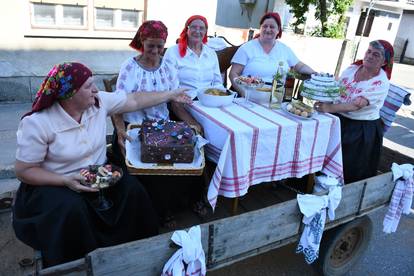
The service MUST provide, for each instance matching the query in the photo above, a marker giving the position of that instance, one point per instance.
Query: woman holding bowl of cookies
(63, 133)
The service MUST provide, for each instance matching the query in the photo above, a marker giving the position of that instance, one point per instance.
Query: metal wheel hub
(346, 246)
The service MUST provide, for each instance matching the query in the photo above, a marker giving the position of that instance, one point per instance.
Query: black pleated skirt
(65, 226)
(361, 148)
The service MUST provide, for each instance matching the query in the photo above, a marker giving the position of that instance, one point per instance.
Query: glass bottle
(289, 85)
(278, 88)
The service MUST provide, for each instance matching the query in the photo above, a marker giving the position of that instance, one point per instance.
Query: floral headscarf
(61, 83)
(388, 55)
(148, 29)
(276, 17)
(182, 41)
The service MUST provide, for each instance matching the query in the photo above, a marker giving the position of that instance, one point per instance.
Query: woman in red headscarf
(366, 83)
(196, 63)
(62, 134)
(146, 72)
(261, 56)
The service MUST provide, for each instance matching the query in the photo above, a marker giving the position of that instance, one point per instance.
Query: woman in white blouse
(197, 64)
(366, 83)
(147, 72)
(260, 57)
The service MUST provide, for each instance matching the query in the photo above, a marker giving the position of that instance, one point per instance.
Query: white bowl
(213, 100)
(257, 96)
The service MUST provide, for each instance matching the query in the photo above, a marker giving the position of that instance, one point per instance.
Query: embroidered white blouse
(60, 144)
(258, 63)
(135, 78)
(195, 71)
(375, 90)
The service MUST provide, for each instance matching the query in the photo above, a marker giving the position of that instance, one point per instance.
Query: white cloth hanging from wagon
(402, 196)
(314, 208)
(191, 253)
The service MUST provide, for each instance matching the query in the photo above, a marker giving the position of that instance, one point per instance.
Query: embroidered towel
(313, 208)
(191, 253)
(395, 98)
(402, 196)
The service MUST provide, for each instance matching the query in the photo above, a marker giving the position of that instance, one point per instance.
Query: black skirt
(65, 226)
(361, 148)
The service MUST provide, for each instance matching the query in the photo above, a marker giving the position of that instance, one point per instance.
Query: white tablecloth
(255, 145)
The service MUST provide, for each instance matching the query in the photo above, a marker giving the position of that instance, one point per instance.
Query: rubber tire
(324, 264)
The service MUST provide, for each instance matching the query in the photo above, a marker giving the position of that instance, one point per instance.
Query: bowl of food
(215, 97)
(101, 176)
(260, 95)
(298, 109)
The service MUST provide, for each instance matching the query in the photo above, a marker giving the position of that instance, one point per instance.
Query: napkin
(191, 254)
(402, 196)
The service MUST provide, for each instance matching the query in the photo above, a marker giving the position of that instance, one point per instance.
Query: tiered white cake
(321, 87)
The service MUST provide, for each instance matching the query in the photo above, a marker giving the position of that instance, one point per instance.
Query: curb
(7, 172)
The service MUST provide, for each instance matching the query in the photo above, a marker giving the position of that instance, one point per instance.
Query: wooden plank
(240, 234)
(77, 267)
(351, 197)
(143, 257)
(378, 191)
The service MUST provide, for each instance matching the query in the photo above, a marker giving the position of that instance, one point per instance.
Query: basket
(165, 169)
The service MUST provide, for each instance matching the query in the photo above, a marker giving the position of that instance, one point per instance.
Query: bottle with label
(289, 85)
(278, 89)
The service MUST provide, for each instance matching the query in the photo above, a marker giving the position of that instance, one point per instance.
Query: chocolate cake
(166, 142)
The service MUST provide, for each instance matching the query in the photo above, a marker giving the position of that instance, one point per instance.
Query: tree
(330, 13)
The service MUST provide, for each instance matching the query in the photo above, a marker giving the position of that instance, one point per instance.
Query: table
(251, 145)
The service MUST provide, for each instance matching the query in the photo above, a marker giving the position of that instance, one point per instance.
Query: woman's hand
(322, 107)
(73, 183)
(122, 137)
(179, 96)
(198, 128)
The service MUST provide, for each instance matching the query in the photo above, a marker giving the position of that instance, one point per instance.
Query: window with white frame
(57, 15)
(104, 18)
(117, 19)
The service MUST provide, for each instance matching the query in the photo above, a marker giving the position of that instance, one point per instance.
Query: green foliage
(330, 13)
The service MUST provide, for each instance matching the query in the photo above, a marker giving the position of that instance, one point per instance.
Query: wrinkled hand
(73, 183)
(322, 107)
(199, 128)
(179, 96)
(360, 102)
(122, 137)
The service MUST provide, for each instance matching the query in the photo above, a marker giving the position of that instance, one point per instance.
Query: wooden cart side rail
(232, 239)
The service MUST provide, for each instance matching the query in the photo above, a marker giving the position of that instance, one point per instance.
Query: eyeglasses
(197, 28)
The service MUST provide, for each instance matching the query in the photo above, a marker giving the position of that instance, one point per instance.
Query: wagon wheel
(342, 246)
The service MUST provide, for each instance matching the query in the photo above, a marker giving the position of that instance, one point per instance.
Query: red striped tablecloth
(252, 145)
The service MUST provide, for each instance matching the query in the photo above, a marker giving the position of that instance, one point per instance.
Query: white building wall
(406, 32)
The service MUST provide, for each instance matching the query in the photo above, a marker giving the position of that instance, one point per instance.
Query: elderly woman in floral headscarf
(196, 63)
(366, 83)
(63, 133)
(148, 71)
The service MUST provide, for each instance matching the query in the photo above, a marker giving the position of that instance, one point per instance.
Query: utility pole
(371, 4)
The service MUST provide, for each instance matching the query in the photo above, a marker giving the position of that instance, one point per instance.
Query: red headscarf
(388, 55)
(148, 29)
(182, 41)
(61, 83)
(276, 17)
